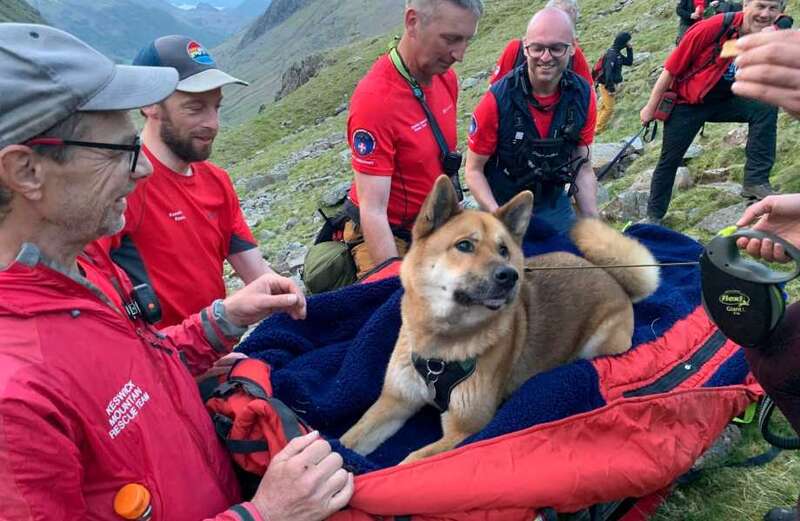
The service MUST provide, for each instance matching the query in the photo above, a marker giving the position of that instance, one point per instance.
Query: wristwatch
(228, 328)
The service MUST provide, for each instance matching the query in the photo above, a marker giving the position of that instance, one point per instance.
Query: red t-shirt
(508, 60)
(695, 49)
(483, 128)
(389, 135)
(178, 231)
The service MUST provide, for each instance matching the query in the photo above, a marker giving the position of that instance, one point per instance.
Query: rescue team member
(513, 55)
(185, 220)
(533, 128)
(769, 71)
(611, 76)
(776, 365)
(702, 81)
(395, 156)
(689, 12)
(91, 397)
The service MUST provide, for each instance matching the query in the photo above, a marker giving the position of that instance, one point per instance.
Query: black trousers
(684, 124)
(777, 366)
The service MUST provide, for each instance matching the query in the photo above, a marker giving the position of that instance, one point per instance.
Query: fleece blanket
(329, 368)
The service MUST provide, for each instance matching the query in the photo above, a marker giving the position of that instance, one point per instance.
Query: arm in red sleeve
(202, 338)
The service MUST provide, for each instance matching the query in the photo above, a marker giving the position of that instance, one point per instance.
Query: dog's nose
(505, 276)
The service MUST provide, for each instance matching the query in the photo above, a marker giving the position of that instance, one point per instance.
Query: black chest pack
(537, 161)
(744, 297)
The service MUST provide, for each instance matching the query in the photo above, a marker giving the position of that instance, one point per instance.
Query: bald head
(550, 25)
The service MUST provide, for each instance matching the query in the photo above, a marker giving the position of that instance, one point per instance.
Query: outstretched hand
(777, 214)
(268, 294)
(304, 482)
(769, 69)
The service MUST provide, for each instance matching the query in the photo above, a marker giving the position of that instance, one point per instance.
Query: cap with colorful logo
(196, 67)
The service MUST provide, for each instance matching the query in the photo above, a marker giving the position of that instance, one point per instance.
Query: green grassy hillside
(318, 27)
(19, 11)
(302, 135)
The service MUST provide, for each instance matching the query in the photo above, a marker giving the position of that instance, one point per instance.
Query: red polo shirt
(483, 129)
(178, 232)
(508, 59)
(389, 135)
(697, 48)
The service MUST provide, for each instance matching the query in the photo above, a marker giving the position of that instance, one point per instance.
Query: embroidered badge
(363, 143)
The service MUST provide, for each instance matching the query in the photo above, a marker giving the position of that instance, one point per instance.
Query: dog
(476, 325)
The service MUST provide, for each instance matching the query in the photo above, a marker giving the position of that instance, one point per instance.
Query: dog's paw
(349, 440)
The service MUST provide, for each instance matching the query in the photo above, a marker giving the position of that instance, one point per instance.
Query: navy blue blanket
(329, 368)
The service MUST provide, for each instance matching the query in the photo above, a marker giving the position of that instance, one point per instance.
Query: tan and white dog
(473, 317)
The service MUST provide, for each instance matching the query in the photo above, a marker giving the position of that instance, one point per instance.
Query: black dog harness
(442, 377)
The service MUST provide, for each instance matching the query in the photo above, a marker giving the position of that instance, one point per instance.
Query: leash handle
(650, 134)
(724, 254)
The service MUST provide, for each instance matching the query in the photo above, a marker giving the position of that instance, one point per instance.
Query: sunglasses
(133, 148)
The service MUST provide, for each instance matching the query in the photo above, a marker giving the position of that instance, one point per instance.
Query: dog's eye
(503, 251)
(465, 246)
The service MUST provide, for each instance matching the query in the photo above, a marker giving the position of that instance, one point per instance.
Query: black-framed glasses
(133, 148)
(557, 50)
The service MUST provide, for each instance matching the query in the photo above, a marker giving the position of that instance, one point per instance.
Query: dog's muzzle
(493, 293)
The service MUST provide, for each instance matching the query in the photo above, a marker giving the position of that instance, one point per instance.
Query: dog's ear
(440, 205)
(516, 214)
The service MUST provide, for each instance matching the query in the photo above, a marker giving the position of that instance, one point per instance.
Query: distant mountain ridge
(119, 28)
(19, 11)
(278, 11)
(290, 31)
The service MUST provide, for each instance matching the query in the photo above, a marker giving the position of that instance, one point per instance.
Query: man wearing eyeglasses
(185, 220)
(532, 130)
(514, 53)
(701, 79)
(92, 397)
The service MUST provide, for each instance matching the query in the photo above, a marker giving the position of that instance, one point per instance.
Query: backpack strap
(520, 54)
(727, 21)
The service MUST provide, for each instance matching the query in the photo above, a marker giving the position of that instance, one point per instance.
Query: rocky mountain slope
(19, 11)
(290, 31)
(292, 157)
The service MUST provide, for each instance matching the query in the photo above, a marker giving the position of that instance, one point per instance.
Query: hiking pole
(664, 264)
(647, 138)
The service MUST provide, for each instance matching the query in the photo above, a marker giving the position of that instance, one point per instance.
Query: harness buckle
(435, 368)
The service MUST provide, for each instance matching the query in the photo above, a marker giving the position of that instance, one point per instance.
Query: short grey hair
(568, 6)
(69, 128)
(428, 6)
(782, 3)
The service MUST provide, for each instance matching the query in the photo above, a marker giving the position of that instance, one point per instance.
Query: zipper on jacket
(683, 370)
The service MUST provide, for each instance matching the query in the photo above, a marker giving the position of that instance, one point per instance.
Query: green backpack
(328, 265)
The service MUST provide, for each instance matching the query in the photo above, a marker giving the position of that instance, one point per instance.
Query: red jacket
(696, 49)
(91, 400)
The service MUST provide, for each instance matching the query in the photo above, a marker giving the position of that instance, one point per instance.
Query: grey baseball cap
(46, 75)
(197, 70)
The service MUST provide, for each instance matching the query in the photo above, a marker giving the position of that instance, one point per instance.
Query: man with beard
(185, 221)
(533, 128)
(702, 79)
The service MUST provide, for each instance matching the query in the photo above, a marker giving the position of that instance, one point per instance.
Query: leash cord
(667, 264)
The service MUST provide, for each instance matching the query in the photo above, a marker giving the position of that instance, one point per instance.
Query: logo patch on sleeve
(363, 143)
(473, 125)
